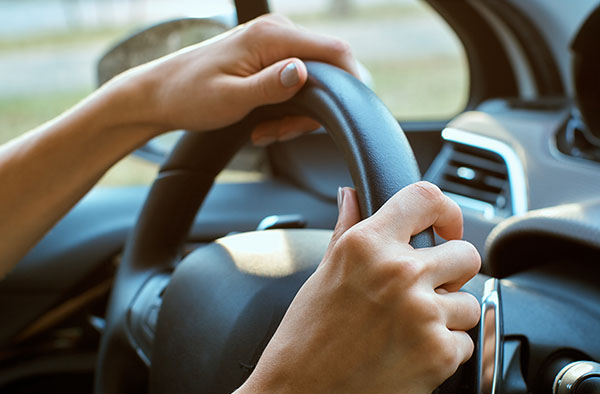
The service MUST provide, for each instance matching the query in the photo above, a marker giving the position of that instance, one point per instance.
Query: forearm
(46, 171)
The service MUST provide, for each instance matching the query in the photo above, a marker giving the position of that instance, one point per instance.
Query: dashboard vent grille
(476, 174)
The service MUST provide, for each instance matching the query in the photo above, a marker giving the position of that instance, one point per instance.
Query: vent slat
(459, 158)
(468, 191)
(477, 184)
(480, 176)
(470, 150)
(476, 173)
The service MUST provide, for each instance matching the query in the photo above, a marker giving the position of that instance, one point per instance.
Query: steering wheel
(225, 300)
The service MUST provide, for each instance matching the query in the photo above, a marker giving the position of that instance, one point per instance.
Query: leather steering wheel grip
(374, 146)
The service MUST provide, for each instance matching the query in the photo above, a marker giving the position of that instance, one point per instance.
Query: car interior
(177, 286)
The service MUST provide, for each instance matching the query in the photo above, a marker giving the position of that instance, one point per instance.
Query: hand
(218, 82)
(206, 86)
(378, 316)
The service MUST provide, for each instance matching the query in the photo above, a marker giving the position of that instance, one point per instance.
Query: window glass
(48, 55)
(417, 63)
(49, 50)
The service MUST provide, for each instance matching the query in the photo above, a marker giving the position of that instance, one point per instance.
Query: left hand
(217, 82)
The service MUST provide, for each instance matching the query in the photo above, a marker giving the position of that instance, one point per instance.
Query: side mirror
(154, 42)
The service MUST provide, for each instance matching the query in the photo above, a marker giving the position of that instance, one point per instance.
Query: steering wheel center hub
(223, 304)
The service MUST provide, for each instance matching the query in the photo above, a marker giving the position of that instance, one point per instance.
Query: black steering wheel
(225, 300)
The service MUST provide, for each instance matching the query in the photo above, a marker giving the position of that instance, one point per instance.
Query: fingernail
(340, 198)
(264, 141)
(290, 135)
(289, 75)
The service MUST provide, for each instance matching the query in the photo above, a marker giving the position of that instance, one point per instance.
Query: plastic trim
(516, 54)
(516, 173)
(490, 309)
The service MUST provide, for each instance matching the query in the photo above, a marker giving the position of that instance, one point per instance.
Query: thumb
(349, 213)
(277, 82)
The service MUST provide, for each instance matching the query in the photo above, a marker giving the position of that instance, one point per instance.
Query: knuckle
(474, 260)
(356, 242)
(447, 352)
(449, 357)
(473, 310)
(471, 258)
(277, 18)
(425, 310)
(471, 348)
(446, 356)
(342, 48)
(471, 249)
(428, 191)
(260, 28)
(392, 279)
(407, 270)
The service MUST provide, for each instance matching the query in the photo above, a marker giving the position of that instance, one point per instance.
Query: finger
(462, 310)
(275, 83)
(293, 126)
(274, 41)
(451, 264)
(265, 132)
(464, 346)
(349, 213)
(416, 208)
(283, 129)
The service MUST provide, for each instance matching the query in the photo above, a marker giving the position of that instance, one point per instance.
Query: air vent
(477, 176)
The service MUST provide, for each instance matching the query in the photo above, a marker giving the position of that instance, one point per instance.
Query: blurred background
(49, 50)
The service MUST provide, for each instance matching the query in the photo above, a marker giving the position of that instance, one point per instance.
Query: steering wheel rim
(378, 154)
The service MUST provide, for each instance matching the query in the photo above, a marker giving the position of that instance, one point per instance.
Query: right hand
(378, 316)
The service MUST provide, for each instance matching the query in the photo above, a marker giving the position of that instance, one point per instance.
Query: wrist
(129, 102)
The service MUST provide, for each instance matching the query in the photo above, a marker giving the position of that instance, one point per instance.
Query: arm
(207, 86)
(376, 317)
(46, 171)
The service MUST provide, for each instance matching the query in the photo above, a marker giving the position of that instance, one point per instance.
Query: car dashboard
(530, 199)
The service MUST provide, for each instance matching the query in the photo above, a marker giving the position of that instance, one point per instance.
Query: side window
(49, 50)
(418, 65)
(48, 55)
